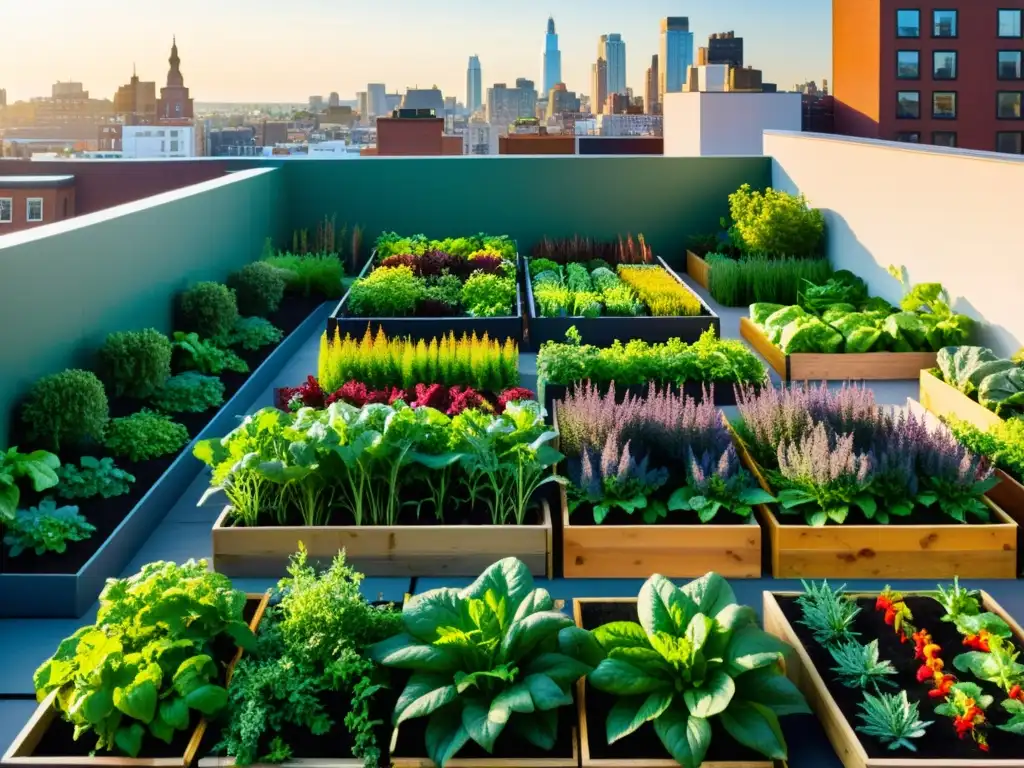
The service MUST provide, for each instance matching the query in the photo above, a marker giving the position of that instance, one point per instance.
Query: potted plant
(492, 673)
(683, 662)
(864, 491)
(655, 485)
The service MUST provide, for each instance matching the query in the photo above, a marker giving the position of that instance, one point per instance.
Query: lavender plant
(954, 479)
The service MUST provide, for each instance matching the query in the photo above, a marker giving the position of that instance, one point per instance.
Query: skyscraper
(474, 85)
(676, 56)
(377, 100)
(598, 86)
(615, 55)
(552, 59)
(651, 88)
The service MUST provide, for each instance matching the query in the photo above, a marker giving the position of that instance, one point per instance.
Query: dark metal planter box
(427, 328)
(603, 331)
(724, 392)
(70, 595)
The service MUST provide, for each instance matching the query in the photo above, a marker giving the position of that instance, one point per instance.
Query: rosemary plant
(892, 719)
(858, 666)
(828, 613)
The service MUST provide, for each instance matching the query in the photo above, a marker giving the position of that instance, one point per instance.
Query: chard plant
(490, 657)
(695, 655)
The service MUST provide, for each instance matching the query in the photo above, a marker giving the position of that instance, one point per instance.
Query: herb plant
(135, 363)
(209, 309)
(66, 409)
(204, 356)
(38, 468)
(858, 666)
(46, 528)
(93, 477)
(259, 288)
(386, 292)
(148, 663)
(622, 250)
(189, 392)
(774, 222)
(695, 655)
(828, 613)
(493, 655)
(892, 719)
(1002, 444)
(739, 283)
(486, 295)
(250, 334)
(664, 295)
(145, 435)
(310, 274)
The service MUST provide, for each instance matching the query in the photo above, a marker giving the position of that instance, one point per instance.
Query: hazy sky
(269, 50)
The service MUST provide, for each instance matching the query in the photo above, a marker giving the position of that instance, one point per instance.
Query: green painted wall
(666, 198)
(64, 288)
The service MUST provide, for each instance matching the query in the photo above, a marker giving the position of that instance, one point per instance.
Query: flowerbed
(709, 365)
(662, 463)
(837, 458)
(922, 677)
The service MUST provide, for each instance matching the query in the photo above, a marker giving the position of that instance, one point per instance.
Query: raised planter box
(604, 331)
(29, 748)
(396, 550)
(426, 328)
(840, 731)
(977, 551)
(803, 366)
(642, 746)
(56, 595)
(699, 270)
(724, 392)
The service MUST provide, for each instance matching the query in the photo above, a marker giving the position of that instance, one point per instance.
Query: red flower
(385, 396)
(978, 642)
(464, 399)
(351, 392)
(983, 746)
(1017, 693)
(942, 687)
(924, 673)
(434, 396)
(890, 616)
(883, 603)
(308, 394)
(512, 395)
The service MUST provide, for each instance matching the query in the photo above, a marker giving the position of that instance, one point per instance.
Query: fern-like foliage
(892, 719)
(858, 666)
(828, 613)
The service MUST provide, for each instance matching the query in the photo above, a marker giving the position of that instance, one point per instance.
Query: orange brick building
(945, 72)
(403, 136)
(31, 201)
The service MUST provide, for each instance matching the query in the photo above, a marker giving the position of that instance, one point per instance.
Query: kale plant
(46, 528)
(250, 333)
(189, 392)
(93, 477)
(204, 356)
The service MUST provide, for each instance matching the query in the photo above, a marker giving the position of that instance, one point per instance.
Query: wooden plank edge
(944, 401)
(753, 335)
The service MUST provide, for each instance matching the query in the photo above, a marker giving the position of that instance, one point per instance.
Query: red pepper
(1017, 693)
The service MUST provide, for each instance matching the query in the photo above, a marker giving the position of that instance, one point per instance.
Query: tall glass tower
(552, 59)
(474, 85)
(615, 55)
(676, 55)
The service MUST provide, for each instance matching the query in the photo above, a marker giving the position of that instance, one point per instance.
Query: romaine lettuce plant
(695, 655)
(492, 655)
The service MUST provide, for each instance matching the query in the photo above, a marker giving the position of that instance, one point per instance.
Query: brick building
(31, 201)
(946, 72)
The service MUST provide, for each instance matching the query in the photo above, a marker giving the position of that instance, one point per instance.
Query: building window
(174, 145)
(944, 138)
(1009, 23)
(908, 23)
(163, 146)
(174, 134)
(6, 210)
(1008, 105)
(944, 24)
(1009, 65)
(909, 137)
(944, 65)
(908, 65)
(1010, 141)
(944, 105)
(34, 209)
(908, 105)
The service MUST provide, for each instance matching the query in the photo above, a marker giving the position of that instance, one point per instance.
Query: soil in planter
(107, 514)
(642, 744)
(58, 741)
(940, 740)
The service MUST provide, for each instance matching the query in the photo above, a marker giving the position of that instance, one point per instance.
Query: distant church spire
(174, 77)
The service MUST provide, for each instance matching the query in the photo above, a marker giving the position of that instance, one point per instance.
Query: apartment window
(944, 105)
(908, 105)
(1008, 105)
(944, 24)
(1009, 23)
(1009, 65)
(6, 210)
(163, 146)
(908, 65)
(908, 23)
(174, 145)
(174, 134)
(944, 65)
(909, 137)
(1010, 141)
(34, 209)
(944, 138)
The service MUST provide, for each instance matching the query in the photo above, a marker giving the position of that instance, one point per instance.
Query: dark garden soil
(107, 514)
(642, 744)
(58, 741)
(940, 739)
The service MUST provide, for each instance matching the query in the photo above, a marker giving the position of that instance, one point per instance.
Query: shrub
(754, 280)
(135, 363)
(542, 265)
(145, 435)
(189, 392)
(664, 295)
(386, 292)
(310, 274)
(66, 409)
(250, 333)
(93, 477)
(46, 528)
(775, 223)
(443, 298)
(259, 288)
(209, 309)
(485, 295)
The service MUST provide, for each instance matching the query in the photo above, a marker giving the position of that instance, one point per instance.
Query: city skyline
(256, 63)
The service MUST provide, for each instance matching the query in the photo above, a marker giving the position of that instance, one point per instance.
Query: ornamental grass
(664, 295)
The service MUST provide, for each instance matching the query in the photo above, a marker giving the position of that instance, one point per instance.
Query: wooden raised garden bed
(839, 724)
(976, 550)
(399, 550)
(603, 331)
(641, 749)
(427, 328)
(699, 270)
(46, 740)
(803, 366)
